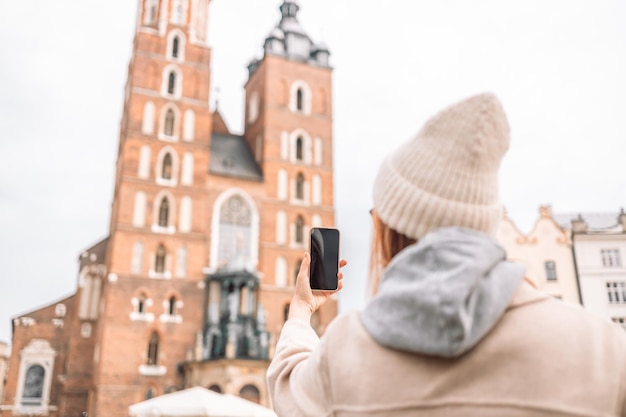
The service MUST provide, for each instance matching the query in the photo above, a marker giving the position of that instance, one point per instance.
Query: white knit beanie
(448, 174)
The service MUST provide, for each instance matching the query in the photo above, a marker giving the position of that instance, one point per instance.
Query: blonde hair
(386, 243)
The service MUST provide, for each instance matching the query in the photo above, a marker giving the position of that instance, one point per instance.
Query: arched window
(166, 167)
(235, 232)
(299, 100)
(299, 149)
(216, 388)
(141, 304)
(150, 14)
(175, 46)
(159, 260)
(168, 127)
(299, 231)
(171, 306)
(250, 393)
(171, 83)
(153, 350)
(164, 212)
(33, 385)
(149, 393)
(300, 187)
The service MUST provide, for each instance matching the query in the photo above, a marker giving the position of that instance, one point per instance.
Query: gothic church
(207, 231)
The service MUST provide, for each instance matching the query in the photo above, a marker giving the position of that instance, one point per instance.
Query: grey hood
(442, 295)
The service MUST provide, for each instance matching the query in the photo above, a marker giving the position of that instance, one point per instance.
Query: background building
(599, 244)
(192, 284)
(546, 252)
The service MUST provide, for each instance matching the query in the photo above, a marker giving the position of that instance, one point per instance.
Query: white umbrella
(198, 402)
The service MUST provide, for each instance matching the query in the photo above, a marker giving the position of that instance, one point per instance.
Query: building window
(141, 304)
(33, 386)
(300, 187)
(159, 260)
(166, 168)
(616, 291)
(299, 100)
(175, 46)
(299, 149)
(149, 393)
(611, 257)
(250, 393)
(235, 232)
(171, 83)
(150, 15)
(299, 230)
(164, 210)
(550, 270)
(168, 127)
(171, 306)
(153, 350)
(215, 388)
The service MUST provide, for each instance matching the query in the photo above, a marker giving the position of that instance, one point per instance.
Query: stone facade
(193, 204)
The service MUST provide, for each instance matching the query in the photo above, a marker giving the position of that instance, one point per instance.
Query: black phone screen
(324, 259)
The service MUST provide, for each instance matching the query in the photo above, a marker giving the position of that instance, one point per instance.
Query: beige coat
(543, 358)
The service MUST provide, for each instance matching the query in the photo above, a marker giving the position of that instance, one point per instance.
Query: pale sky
(558, 67)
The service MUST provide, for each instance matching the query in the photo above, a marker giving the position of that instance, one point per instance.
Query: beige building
(547, 253)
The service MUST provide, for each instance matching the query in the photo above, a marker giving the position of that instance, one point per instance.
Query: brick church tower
(207, 231)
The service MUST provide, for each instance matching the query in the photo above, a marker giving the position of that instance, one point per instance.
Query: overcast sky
(558, 66)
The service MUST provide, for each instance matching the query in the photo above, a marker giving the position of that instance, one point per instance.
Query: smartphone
(324, 250)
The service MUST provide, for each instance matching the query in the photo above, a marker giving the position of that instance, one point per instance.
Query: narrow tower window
(153, 349)
(299, 100)
(299, 230)
(300, 187)
(175, 46)
(168, 128)
(166, 169)
(171, 83)
(159, 260)
(164, 212)
(141, 304)
(299, 149)
(172, 306)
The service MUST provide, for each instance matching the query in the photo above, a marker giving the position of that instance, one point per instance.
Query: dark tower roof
(289, 39)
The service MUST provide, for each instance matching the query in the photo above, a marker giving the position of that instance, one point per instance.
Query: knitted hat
(448, 174)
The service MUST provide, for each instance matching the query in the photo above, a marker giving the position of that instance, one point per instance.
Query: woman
(454, 329)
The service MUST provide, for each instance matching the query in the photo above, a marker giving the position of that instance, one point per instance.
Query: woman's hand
(305, 302)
